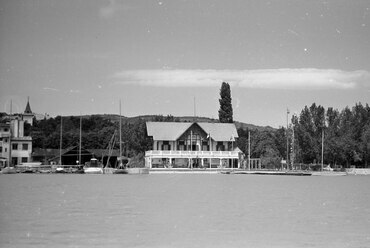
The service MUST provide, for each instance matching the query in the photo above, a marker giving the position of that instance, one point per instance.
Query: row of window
(182, 146)
(15, 146)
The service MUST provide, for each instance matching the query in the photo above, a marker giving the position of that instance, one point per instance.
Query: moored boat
(9, 170)
(60, 169)
(93, 167)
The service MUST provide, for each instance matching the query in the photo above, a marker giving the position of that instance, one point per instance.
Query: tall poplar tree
(225, 114)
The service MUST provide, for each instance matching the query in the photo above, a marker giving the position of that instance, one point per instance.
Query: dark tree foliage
(96, 133)
(346, 135)
(225, 113)
(346, 138)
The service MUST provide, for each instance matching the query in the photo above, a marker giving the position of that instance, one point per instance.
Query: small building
(15, 148)
(186, 145)
(4, 144)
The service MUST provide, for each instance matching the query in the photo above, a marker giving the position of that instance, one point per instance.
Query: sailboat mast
(61, 141)
(79, 152)
(120, 134)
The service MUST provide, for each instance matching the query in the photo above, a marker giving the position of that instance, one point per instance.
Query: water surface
(177, 210)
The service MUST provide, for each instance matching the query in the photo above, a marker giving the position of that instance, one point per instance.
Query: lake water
(182, 210)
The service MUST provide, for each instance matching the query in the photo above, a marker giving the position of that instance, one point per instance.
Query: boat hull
(93, 170)
(8, 170)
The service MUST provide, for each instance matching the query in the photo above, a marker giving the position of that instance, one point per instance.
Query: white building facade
(185, 145)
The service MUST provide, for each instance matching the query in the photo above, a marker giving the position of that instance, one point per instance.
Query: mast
(79, 152)
(61, 141)
(249, 150)
(293, 151)
(120, 134)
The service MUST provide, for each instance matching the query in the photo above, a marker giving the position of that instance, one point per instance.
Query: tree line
(343, 135)
(96, 132)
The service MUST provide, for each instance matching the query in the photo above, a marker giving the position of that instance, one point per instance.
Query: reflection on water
(176, 210)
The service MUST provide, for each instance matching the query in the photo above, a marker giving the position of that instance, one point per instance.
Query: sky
(170, 57)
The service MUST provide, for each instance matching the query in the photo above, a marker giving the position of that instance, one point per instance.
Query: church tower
(28, 116)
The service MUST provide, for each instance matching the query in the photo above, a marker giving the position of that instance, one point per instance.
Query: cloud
(295, 79)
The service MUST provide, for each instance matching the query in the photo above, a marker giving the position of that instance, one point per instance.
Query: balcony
(192, 154)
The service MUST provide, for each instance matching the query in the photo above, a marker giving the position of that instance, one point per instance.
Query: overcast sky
(73, 57)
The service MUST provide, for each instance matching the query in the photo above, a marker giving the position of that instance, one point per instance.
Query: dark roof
(173, 130)
(28, 108)
(72, 151)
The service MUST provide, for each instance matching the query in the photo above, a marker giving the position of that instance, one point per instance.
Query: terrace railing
(193, 154)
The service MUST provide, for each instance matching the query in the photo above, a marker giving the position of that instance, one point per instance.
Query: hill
(131, 120)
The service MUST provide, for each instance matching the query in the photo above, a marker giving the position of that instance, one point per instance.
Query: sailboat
(120, 168)
(94, 166)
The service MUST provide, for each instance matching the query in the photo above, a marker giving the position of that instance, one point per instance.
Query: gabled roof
(173, 130)
(167, 130)
(220, 131)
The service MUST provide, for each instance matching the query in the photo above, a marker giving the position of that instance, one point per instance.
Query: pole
(120, 134)
(287, 139)
(195, 110)
(322, 150)
(293, 153)
(79, 151)
(61, 141)
(10, 162)
(191, 140)
(249, 150)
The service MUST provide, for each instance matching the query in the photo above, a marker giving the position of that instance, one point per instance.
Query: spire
(28, 107)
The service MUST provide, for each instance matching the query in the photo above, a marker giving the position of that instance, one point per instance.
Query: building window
(15, 146)
(181, 146)
(1, 149)
(24, 159)
(220, 146)
(166, 146)
(205, 146)
(24, 147)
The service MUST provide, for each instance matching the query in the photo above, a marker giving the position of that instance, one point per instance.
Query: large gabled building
(186, 145)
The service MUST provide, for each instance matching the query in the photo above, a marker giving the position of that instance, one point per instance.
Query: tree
(225, 114)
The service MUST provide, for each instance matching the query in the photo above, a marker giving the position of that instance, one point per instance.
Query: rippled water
(177, 210)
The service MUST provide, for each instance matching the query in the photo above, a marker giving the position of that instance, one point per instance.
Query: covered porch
(192, 160)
